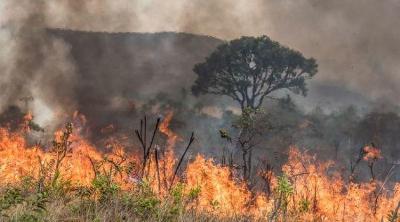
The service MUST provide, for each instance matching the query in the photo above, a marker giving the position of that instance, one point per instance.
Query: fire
(306, 190)
(19, 160)
(28, 117)
(162, 161)
(329, 197)
(27, 120)
(371, 153)
(311, 191)
(164, 128)
(16, 159)
(219, 192)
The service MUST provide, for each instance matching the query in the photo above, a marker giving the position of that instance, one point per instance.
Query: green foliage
(304, 205)
(144, 201)
(177, 199)
(27, 218)
(250, 119)
(214, 204)
(61, 146)
(83, 192)
(105, 187)
(284, 187)
(59, 188)
(250, 68)
(284, 190)
(392, 216)
(252, 123)
(146, 206)
(38, 202)
(27, 182)
(177, 192)
(194, 193)
(225, 135)
(10, 198)
(33, 204)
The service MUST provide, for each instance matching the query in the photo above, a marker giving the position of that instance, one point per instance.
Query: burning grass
(74, 181)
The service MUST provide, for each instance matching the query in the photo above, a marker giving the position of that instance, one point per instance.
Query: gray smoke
(354, 42)
(32, 63)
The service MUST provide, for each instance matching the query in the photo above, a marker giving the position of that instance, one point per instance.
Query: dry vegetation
(73, 181)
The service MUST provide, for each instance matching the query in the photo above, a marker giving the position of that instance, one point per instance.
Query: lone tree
(250, 68)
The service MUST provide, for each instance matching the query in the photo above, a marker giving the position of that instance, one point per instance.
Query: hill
(112, 68)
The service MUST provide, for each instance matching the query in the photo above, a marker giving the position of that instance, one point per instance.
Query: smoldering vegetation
(118, 72)
(120, 77)
(33, 63)
(110, 75)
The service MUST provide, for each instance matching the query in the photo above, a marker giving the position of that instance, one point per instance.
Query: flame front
(307, 190)
(164, 128)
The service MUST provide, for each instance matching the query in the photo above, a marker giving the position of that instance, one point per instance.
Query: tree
(251, 124)
(382, 129)
(250, 68)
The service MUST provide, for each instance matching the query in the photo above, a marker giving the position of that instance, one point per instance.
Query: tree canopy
(250, 68)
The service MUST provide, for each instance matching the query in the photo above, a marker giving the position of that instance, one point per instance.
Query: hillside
(119, 60)
(111, 67)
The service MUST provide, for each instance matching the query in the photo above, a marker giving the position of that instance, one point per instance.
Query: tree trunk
(249, 164)
(244, 156)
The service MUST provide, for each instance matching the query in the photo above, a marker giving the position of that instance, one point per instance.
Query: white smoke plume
(33, 64)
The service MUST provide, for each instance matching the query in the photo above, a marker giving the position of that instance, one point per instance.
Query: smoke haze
(354, 42)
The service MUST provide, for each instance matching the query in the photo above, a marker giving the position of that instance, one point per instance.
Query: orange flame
(371, 153)
(310, 190)
(27, 120)
(219, 193)
(164, 128)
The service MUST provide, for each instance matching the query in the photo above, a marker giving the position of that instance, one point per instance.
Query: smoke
(33, 64)
(104, 75)
(354, 42)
